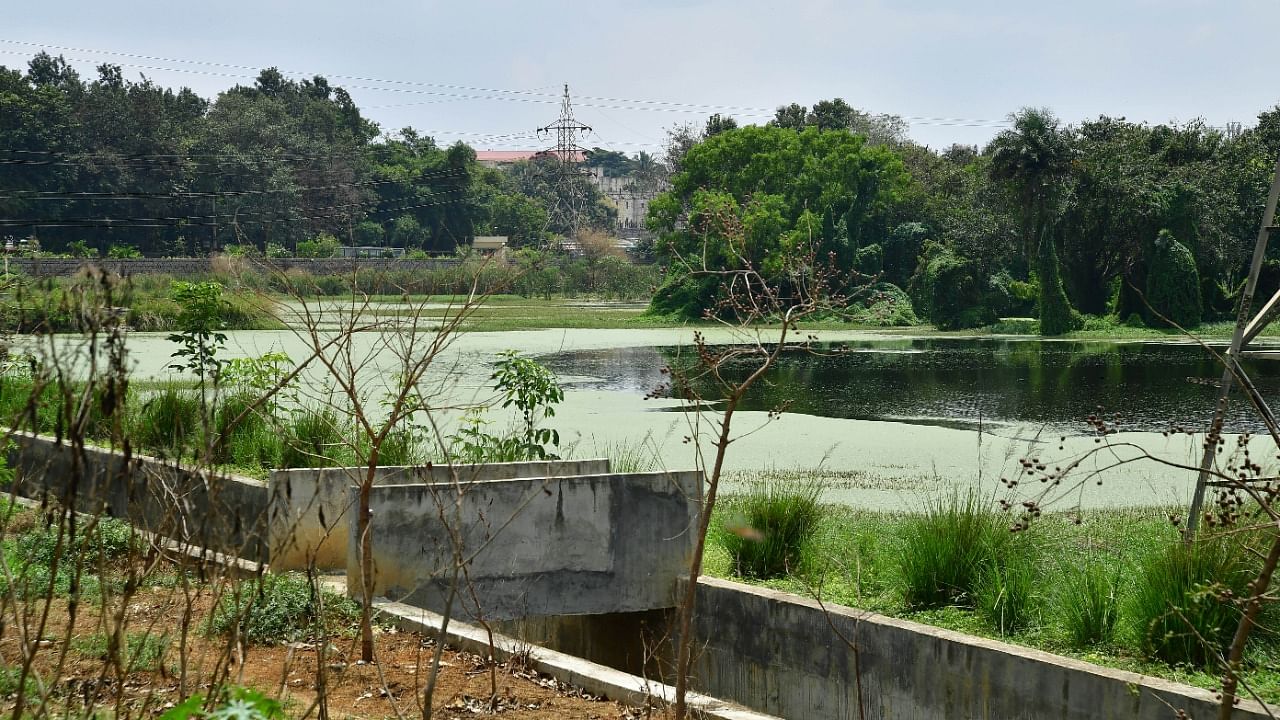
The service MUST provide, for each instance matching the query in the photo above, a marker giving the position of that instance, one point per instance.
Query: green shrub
(685, 296)
(947, 548)
(401, 447)
(1175, 611)
(1173, 283)
(323, 245)
(948, 290)
(770, 527)
(886, 306)
(281, 608)
(1086, 603)
(1005, 595)
(123, 252)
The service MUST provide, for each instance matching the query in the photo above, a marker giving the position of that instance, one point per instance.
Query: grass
(947, 549)
(767, 530)
(1067, 588)
(143, 651)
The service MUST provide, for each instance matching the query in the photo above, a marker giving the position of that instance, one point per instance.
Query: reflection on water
(964, 382)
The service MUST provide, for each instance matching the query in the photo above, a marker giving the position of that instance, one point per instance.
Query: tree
(1033, 160)
(747, 198)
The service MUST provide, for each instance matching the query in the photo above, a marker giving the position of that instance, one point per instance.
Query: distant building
(490, 244)
(370, 251)
(503, 158)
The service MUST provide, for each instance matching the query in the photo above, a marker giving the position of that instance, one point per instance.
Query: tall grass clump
(401, 447)
(947, 548)
(247, 438)
(1086, 603)
(1005, 595)
(168, 422)
(314, 440)
(1176, 609)
(770, 526)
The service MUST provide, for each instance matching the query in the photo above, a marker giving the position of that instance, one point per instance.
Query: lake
(885, 420)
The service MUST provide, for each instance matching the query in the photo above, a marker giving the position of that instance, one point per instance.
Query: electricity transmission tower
(566, 177)
(1247, 328)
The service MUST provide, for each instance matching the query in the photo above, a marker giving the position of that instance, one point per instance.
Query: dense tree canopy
(1105, 217)
(754, 196)
(114, 163)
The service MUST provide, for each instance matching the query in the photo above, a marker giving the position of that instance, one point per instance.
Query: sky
(491, 73)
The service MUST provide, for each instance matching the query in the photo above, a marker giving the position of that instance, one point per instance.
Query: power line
(500, 94)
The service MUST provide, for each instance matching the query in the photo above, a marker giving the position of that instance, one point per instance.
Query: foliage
(143, 651)
(753, 196)
(533, 390)
(168, 422)
(1173, 283)
(237, 704)
(947, 549)
(1056, 314)
(323, 245)
(1087, 603)
(950, 291)
(1177, 613)
(770, 526)
(314, 438)
(1005, 594)
(123, 252)
(200, 323)
(281, 607)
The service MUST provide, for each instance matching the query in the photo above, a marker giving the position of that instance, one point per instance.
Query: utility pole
(566, 153)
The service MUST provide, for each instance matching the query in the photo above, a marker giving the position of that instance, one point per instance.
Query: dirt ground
(389, 688)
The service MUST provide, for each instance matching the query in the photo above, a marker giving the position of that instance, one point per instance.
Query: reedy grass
(767, 529)
(1087, 603)
(947, 548)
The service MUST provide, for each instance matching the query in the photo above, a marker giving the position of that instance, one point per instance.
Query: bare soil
(81, 676)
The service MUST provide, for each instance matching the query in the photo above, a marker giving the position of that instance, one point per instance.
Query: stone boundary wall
(309, 507)
(584, 545)
(219, 513)
(61, 267)
(780, 653)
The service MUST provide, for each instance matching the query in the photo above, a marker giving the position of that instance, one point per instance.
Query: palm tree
(1034, 160)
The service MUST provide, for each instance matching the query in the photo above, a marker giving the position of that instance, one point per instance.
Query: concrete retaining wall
(778, 653)
(568, 546)
(220, 513)
(57, 267)
(309, 519)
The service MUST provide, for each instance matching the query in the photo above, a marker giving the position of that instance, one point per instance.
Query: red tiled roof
(516, 155)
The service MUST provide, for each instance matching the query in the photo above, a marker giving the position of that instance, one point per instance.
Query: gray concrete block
(535, 547)
(310, 508)
(218, 512)
(780, 653)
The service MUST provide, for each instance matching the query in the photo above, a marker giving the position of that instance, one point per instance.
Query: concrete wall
(221, 513)
(567, 546)
(56, 267)
(308, 507)
(778, 653)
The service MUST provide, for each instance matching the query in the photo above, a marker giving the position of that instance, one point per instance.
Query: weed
(281, 608)
(1086, 604)
(770, 526)
(946, 549)
(1176, 608)
(1005, 596)
(142, 652)
(315, 440)
(168, 422)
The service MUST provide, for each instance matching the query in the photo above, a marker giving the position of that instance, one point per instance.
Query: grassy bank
(1111, 589)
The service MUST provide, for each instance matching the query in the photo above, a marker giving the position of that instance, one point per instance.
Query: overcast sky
(491, 72)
